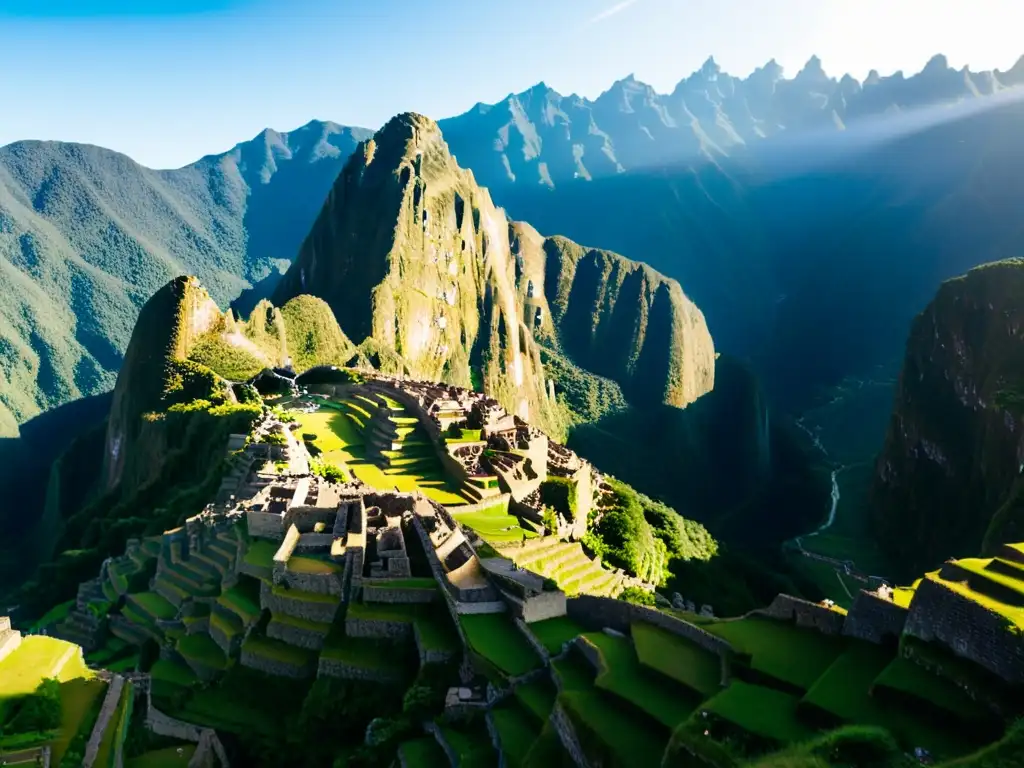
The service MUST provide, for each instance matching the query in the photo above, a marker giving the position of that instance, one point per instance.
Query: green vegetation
(517, 731)
(422, 753)
(781, 650)
(911, 681)
(496, 639)
(677, 658)
(554, 633)
(202, 649)
(314, 336)
(495, 524)
(761, 711)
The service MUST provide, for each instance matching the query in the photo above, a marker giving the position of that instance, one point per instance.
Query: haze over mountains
(87, 235)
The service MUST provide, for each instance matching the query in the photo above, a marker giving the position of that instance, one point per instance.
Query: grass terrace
(203, 650)
(167, 757)
(779, 649)
(363, 652)
(313, 565)
(340, 439)
(495, 524)
(624, 677)
(677, 658)
(309, 597)
(55, 615)
(156, 606)
(910, 682)
(497, 639)
(260, 554)
(517, 730)
(554, 633)
(38, 657)
(243, 600)
(537, 697)
(277, 650)
(471, 744)
(422, 753)
(607, 728)
(764, 712)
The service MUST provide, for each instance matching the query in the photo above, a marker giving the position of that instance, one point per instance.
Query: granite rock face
(948, 481)
(411, 253)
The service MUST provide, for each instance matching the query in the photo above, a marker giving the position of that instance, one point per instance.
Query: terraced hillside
(568, 565)
(379, 443)
(649, 695)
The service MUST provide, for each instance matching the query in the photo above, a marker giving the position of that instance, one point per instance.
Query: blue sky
(167, 81)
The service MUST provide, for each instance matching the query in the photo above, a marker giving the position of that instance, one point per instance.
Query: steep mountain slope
(540, 137)
(87, 235)
(411, 253)
(948, 481)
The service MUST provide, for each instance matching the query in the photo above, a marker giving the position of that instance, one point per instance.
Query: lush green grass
(312, 565)
(155, 605)
(677, 658)
(537, 696)
(260, 553)
(624, 677)
(547, 751)
(553, 633)
(341, 442)
(423, 753)
(910, 679)
(387, 611)
(496, 638)
(784, 651)
(765, 712)
(53, 616)
(77, 697)
(309, 597)
(495, 524)
(604, 727)
(1012, 613)
(164, 758)
(472, 745)
(574, 672)
(363, 652)
(278, 651)
(1005, 753)
(173, 673)
(437, 633)
(202, 649)
(517, 731)
(243, 599)
(36, 658)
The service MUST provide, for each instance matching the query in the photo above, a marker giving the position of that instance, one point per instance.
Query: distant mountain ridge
(542, 137)
(87, 234)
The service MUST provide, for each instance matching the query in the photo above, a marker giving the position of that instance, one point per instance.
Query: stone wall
(806, 614)
(590, 652)
(264, 525)
(428, 656)
(875, 619)
(373, 593)
(317, 583)
(533, 641)
(275, 667)
(164, 725)
(329, 667)
(378, 628)
(315, 542)
(291, 540)
(567, 735)
(300, 637)
(107, 710)
(492, 502)
(310, 610)
(938, 614)
(549, 604)
(306, 518)
(596, 613)
(10, 639)
(492, 731)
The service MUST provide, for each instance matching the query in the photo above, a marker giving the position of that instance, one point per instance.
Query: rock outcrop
(948, 481)
(413, 255)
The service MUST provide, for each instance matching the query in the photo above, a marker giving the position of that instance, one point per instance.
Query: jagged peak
(937, 63)
(710, 68)
(873, 78)
(813, 69)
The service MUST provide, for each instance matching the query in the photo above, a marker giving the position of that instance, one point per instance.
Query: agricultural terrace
(779, 649)
(21, 673)
(495, 524)
(495, 638)
(763, 712)
(341, 439)
(556, 632)
(677, 658)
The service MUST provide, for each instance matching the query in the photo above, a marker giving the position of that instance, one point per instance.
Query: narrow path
(58, 667)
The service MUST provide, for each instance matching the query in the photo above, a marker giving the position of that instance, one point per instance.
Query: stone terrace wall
(378, 628)
(291, 541)
(806, 614)
(968, 629)
(264, 525)
(300, 637)
(306, 518)
(549, 604)
(329, 667)
(491, 502)
(10, 639)
(275, 666)
(599, 612)
(567, 735)
(874, 619)
(539, 647)
(164, 725)
(317, 583)
(322, 612)
(404, 595)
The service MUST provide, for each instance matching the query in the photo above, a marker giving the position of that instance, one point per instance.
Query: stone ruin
(10, 639)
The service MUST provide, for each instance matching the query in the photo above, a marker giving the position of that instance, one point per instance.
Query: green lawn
(494, 524)
(677, 658)
(762, 711)
(517, 731)
(423, 753)
(173, 673)
(782, 650)
(364, 652)
(243, 599)
(496, 638)
(537, 696)
(1013, 613)
(269, 648)
(603, 727)
(912, 680)
(341, 442)
(77, 697)
(574, 672)
(202, 649)
(553, 633)
(55, 615)
(473, 746)
(650, 692)
(36, 658)
(436, 631)
(260, 553)
(156, 605)
(168, 757)
(313, 565)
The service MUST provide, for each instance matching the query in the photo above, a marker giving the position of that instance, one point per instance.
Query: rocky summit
(412, 254)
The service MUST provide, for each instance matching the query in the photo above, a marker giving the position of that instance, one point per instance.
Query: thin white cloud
(607, 13)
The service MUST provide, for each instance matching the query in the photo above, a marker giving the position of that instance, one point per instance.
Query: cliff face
(411, 253)
(948, 481)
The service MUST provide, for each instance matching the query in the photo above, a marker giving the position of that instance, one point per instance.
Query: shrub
(637, 596)
(40, 711)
